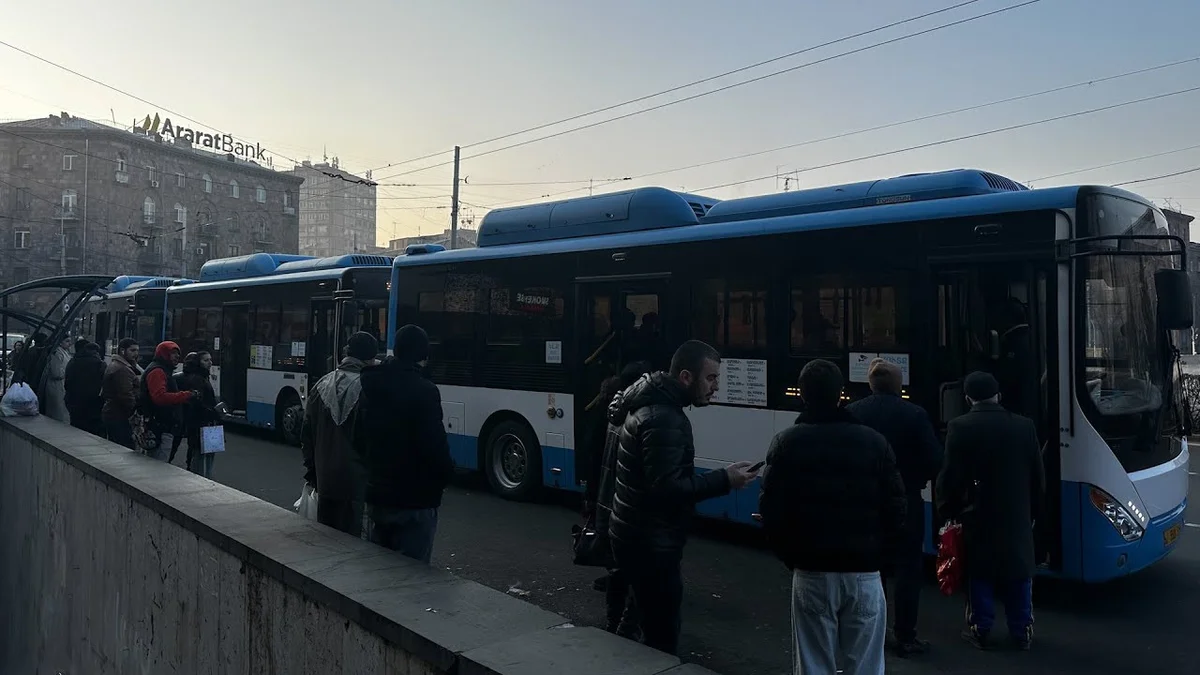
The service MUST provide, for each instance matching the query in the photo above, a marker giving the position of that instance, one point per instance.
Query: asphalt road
(736, 618)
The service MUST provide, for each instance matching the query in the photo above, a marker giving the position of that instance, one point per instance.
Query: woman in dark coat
(84, 379)
(201, 412)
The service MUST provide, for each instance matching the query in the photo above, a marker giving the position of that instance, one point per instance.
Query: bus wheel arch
(510, 456)
(289, 415)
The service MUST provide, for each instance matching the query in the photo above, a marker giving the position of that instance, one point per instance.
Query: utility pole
(454, 204)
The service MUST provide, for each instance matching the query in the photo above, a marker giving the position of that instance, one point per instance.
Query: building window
(233, 189)
(69, 200)
(148, 210)
(69, 162)
(208, 183)
(287, 199)
(24, 159)
(21, 238)
(180, 181)
(235, 250)
(180, 214)
(122, 165)
(24, 199)
(260, 194)
(152, 175)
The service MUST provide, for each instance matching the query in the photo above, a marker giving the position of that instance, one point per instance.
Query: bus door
(322, 354)
(1001, 317)
(617, 321)
(235, 356)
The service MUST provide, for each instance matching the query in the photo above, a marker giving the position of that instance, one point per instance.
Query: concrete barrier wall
(111, 562)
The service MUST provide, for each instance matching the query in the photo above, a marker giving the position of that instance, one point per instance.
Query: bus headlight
(1122, 520)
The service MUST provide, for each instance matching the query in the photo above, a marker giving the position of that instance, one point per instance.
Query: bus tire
(291, 418)
(513, 461)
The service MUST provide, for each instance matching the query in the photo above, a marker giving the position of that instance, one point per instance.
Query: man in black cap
(408, 456)
(993, 482)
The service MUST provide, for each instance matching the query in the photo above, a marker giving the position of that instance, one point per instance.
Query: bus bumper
(1105, 555)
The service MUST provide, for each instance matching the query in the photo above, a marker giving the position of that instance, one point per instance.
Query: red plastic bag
(950, 561)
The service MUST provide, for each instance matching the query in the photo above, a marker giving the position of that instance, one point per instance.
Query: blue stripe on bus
(260, 414)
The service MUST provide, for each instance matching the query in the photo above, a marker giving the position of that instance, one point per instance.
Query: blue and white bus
(931, 271)
(131, 307)
(275, 323)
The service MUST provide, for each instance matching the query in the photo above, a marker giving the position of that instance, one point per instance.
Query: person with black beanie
(408, 455)
(83, 381)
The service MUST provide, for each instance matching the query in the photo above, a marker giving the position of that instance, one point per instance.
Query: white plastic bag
(19, 400)
(306, 505)
(212, 439)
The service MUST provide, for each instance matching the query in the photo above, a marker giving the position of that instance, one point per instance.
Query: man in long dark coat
(993, 482)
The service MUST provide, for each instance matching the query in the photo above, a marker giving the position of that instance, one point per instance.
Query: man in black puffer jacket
(832, 506)
(657, 486)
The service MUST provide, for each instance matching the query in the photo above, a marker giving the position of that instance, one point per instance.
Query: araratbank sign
(216, 142)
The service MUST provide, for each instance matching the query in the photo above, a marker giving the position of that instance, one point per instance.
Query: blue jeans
(838, 618)
(1017, 597)
(163, 451)
(409, 531)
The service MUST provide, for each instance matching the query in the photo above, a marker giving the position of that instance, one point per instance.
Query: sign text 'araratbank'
(216, 142)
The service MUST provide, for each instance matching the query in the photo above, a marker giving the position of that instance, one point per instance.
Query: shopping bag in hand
(306, 505)
(19, 400)
(950, 559)
(212, 439)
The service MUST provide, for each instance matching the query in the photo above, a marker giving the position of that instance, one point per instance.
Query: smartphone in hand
(758, 466)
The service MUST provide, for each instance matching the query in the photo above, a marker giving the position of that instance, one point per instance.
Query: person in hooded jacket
(161, 402)
(120, 393)
(657, 486)
(408, 455)
(84, 380)
(331, 439)
(621, 608)
(201, 411)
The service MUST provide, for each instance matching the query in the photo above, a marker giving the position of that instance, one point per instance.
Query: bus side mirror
(1174, 291)
(994, 345)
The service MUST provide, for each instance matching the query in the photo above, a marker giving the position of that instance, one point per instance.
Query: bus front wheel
(513, 461)
(291, 419)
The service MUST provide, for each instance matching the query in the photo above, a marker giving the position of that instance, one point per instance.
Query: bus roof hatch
(650, 208)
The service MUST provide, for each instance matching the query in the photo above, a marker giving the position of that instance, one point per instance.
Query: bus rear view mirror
(994, 345)
(1174, 291)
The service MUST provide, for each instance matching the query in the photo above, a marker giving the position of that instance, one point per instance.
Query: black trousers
(905, 574)
(657, 583)
(341, 514)
(620, 605)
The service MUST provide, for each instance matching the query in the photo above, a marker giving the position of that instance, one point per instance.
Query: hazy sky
(380, 82)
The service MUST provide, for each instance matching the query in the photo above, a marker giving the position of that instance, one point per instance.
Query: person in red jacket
(161, 403)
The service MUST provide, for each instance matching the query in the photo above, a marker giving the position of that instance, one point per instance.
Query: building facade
(81, 197)
(337, 210)
(466, 239)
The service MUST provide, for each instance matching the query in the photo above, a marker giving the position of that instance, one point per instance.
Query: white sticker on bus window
(298, 349)
(860, 363)
(217, 344)
(553, 351)
(900, 361)
(743, 382)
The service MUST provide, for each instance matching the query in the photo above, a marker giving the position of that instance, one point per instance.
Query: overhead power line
(125, 93)
(734, 85)
(686, 85)
(1117, 163)
(980, 134)
(1154, 178)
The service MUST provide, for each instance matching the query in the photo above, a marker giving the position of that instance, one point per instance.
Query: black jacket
(832, 499)
(657, 486)
(85, 378)
(200, 412)
(993, 482)
(408, 456)
(907, 428)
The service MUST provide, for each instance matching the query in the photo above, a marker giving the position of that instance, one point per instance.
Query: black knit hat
(362, 346)
(980, 386)
(412, 344)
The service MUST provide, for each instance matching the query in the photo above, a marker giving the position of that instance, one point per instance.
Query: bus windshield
(1124, 383)
(370, 316)
(1124, 368)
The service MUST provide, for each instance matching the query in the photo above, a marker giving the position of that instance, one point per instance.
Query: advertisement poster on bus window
(860, 364)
